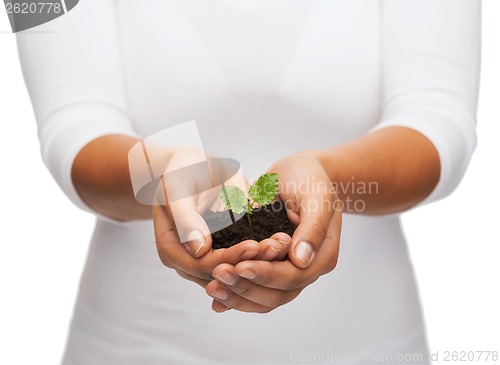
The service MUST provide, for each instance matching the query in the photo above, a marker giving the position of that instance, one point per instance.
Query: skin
(104, 183)
(253, 277)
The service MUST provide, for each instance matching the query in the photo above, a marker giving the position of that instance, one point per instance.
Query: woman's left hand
(312, 205)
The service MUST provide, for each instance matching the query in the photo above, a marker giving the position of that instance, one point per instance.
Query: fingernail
(304, 252)
(270, 253)
(220, 308)
(226, 277)
(284, 242)
(219, 294)
(248, 274)
(195, 242)
(223, 309)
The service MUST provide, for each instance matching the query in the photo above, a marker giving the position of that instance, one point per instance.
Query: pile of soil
(266, 221)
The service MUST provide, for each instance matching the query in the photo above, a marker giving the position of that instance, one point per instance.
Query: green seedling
(262, 192)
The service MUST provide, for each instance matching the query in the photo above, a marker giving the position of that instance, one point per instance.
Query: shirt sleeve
(73, 71)
(431, 61)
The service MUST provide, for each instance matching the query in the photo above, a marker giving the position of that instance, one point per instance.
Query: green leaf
(234, 199)
(265, 189)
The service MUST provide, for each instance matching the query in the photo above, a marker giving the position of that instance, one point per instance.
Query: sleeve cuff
(454, 143)
(67, 131)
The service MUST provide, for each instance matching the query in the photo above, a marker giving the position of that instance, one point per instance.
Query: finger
(268, 297)
(327, 257)
(274, 248)
(165, 234)
(315, 211)
(189, 224)
(203, 267)
(219, 307)
(232, 300)
(173, 255)
(245, 250)
(282, 275)
(201, 282)
(192, 229)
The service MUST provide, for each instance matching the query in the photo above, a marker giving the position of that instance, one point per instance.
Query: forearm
(101, 177)
(383, 172)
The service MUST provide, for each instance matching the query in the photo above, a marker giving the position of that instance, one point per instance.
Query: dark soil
(266, 221)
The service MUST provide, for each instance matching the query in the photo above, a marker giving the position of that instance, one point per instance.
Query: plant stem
(249, 213)
(227, 199)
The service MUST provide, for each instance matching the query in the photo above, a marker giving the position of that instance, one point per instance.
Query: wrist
(318, 155)
(329, 161)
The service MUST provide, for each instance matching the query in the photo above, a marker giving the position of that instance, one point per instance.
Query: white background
(454, 243)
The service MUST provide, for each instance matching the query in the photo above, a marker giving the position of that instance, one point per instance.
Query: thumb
(315, 217)
(191, 228)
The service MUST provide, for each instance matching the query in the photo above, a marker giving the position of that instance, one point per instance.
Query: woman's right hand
(199, 269)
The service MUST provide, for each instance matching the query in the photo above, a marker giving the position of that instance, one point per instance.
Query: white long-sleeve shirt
(263, 79)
